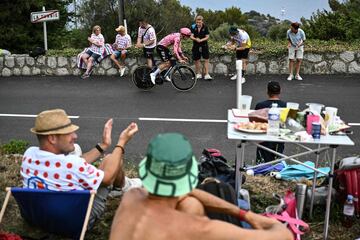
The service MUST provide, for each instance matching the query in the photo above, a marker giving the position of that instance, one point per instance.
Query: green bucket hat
(169, 168)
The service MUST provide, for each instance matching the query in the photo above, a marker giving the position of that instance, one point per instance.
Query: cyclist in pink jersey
(164, 52)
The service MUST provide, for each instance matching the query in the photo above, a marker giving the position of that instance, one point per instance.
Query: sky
(282, 9)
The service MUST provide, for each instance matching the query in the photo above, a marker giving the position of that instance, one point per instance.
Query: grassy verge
(260, 188)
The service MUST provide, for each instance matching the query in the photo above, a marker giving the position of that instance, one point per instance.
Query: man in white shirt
(147, 40)
(296, 38)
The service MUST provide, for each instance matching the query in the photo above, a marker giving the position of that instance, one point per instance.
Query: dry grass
(260, 188)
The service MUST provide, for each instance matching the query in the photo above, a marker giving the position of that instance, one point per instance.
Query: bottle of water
(274, 120)
(348, 212)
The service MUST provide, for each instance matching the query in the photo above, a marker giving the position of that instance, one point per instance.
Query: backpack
(36, 52)
(213, 164)
(224, 191)
(347, 181)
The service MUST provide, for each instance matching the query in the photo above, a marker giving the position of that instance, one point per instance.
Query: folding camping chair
(62, 213)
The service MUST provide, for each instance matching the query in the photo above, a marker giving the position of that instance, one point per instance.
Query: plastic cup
(315, 108)
(331, 113)
(245, 102)
(292, 105)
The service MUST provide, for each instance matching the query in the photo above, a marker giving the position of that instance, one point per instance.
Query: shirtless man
(170, 208)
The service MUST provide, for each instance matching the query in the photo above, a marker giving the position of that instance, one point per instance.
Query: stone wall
(314, 63)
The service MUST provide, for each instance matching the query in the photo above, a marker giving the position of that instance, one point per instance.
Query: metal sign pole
(45, 32)
(238, 83)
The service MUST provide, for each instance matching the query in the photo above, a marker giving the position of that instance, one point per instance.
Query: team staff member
(240, 38)
(147, 40)
(200, 36)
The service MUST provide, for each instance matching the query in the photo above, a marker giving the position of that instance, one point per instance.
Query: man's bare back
(140, 217)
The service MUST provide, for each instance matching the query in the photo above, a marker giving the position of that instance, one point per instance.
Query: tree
(19, 35)
(166, 16)
(342, 23)
(278, 31)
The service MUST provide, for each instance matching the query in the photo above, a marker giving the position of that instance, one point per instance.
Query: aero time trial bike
(181, 76)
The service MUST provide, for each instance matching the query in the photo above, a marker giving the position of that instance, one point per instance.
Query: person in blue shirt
(296, 38)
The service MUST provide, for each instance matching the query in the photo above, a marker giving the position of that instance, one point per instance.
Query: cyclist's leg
(164, 54)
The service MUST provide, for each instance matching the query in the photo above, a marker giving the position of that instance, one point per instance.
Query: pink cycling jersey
(173, 39)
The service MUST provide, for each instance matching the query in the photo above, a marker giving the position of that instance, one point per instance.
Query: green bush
(262, 46)
(14, 147)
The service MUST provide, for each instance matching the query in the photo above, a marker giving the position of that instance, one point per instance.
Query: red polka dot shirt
(58, 171)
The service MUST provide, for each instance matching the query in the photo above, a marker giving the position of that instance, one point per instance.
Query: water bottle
(274, 120)
(244, 194)
(348, 212)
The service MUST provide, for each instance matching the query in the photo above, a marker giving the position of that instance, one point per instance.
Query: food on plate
(252, 126)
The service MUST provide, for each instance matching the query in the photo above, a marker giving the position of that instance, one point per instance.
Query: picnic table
(309, 146)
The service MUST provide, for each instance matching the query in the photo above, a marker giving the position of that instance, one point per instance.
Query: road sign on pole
(44, 16)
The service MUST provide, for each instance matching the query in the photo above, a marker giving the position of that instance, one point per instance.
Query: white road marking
(26, 115)
(149, 119)
(183, 120)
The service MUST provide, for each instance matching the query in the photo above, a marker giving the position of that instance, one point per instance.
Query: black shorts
(242, 54)
(149, 53)
(200, 51)
(95, 56)
(163, 52)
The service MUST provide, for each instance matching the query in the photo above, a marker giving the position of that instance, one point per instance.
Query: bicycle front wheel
(141, 77)
(183, 78)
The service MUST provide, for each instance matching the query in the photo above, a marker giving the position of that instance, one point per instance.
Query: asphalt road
(96, 99)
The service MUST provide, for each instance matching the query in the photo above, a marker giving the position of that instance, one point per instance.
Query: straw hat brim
(66, 130)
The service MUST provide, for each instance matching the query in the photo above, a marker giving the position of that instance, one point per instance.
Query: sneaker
(85, 75)
(122, 71)
(152, 77)
(234, 77)
(130, 183)
(290, 77)
(243, 80)
(198, 76)
(168, 79)
(298, 77)
(208, 77)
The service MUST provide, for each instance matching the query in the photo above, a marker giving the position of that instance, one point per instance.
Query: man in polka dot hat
(169, 206)
(50, 166)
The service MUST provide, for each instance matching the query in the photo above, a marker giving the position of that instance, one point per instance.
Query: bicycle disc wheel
(141, 77)
(183, 78)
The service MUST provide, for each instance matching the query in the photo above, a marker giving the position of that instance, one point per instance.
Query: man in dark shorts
(241, 43)
(147, 40)
(273, 91)
(168, 207)
(200, 35)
